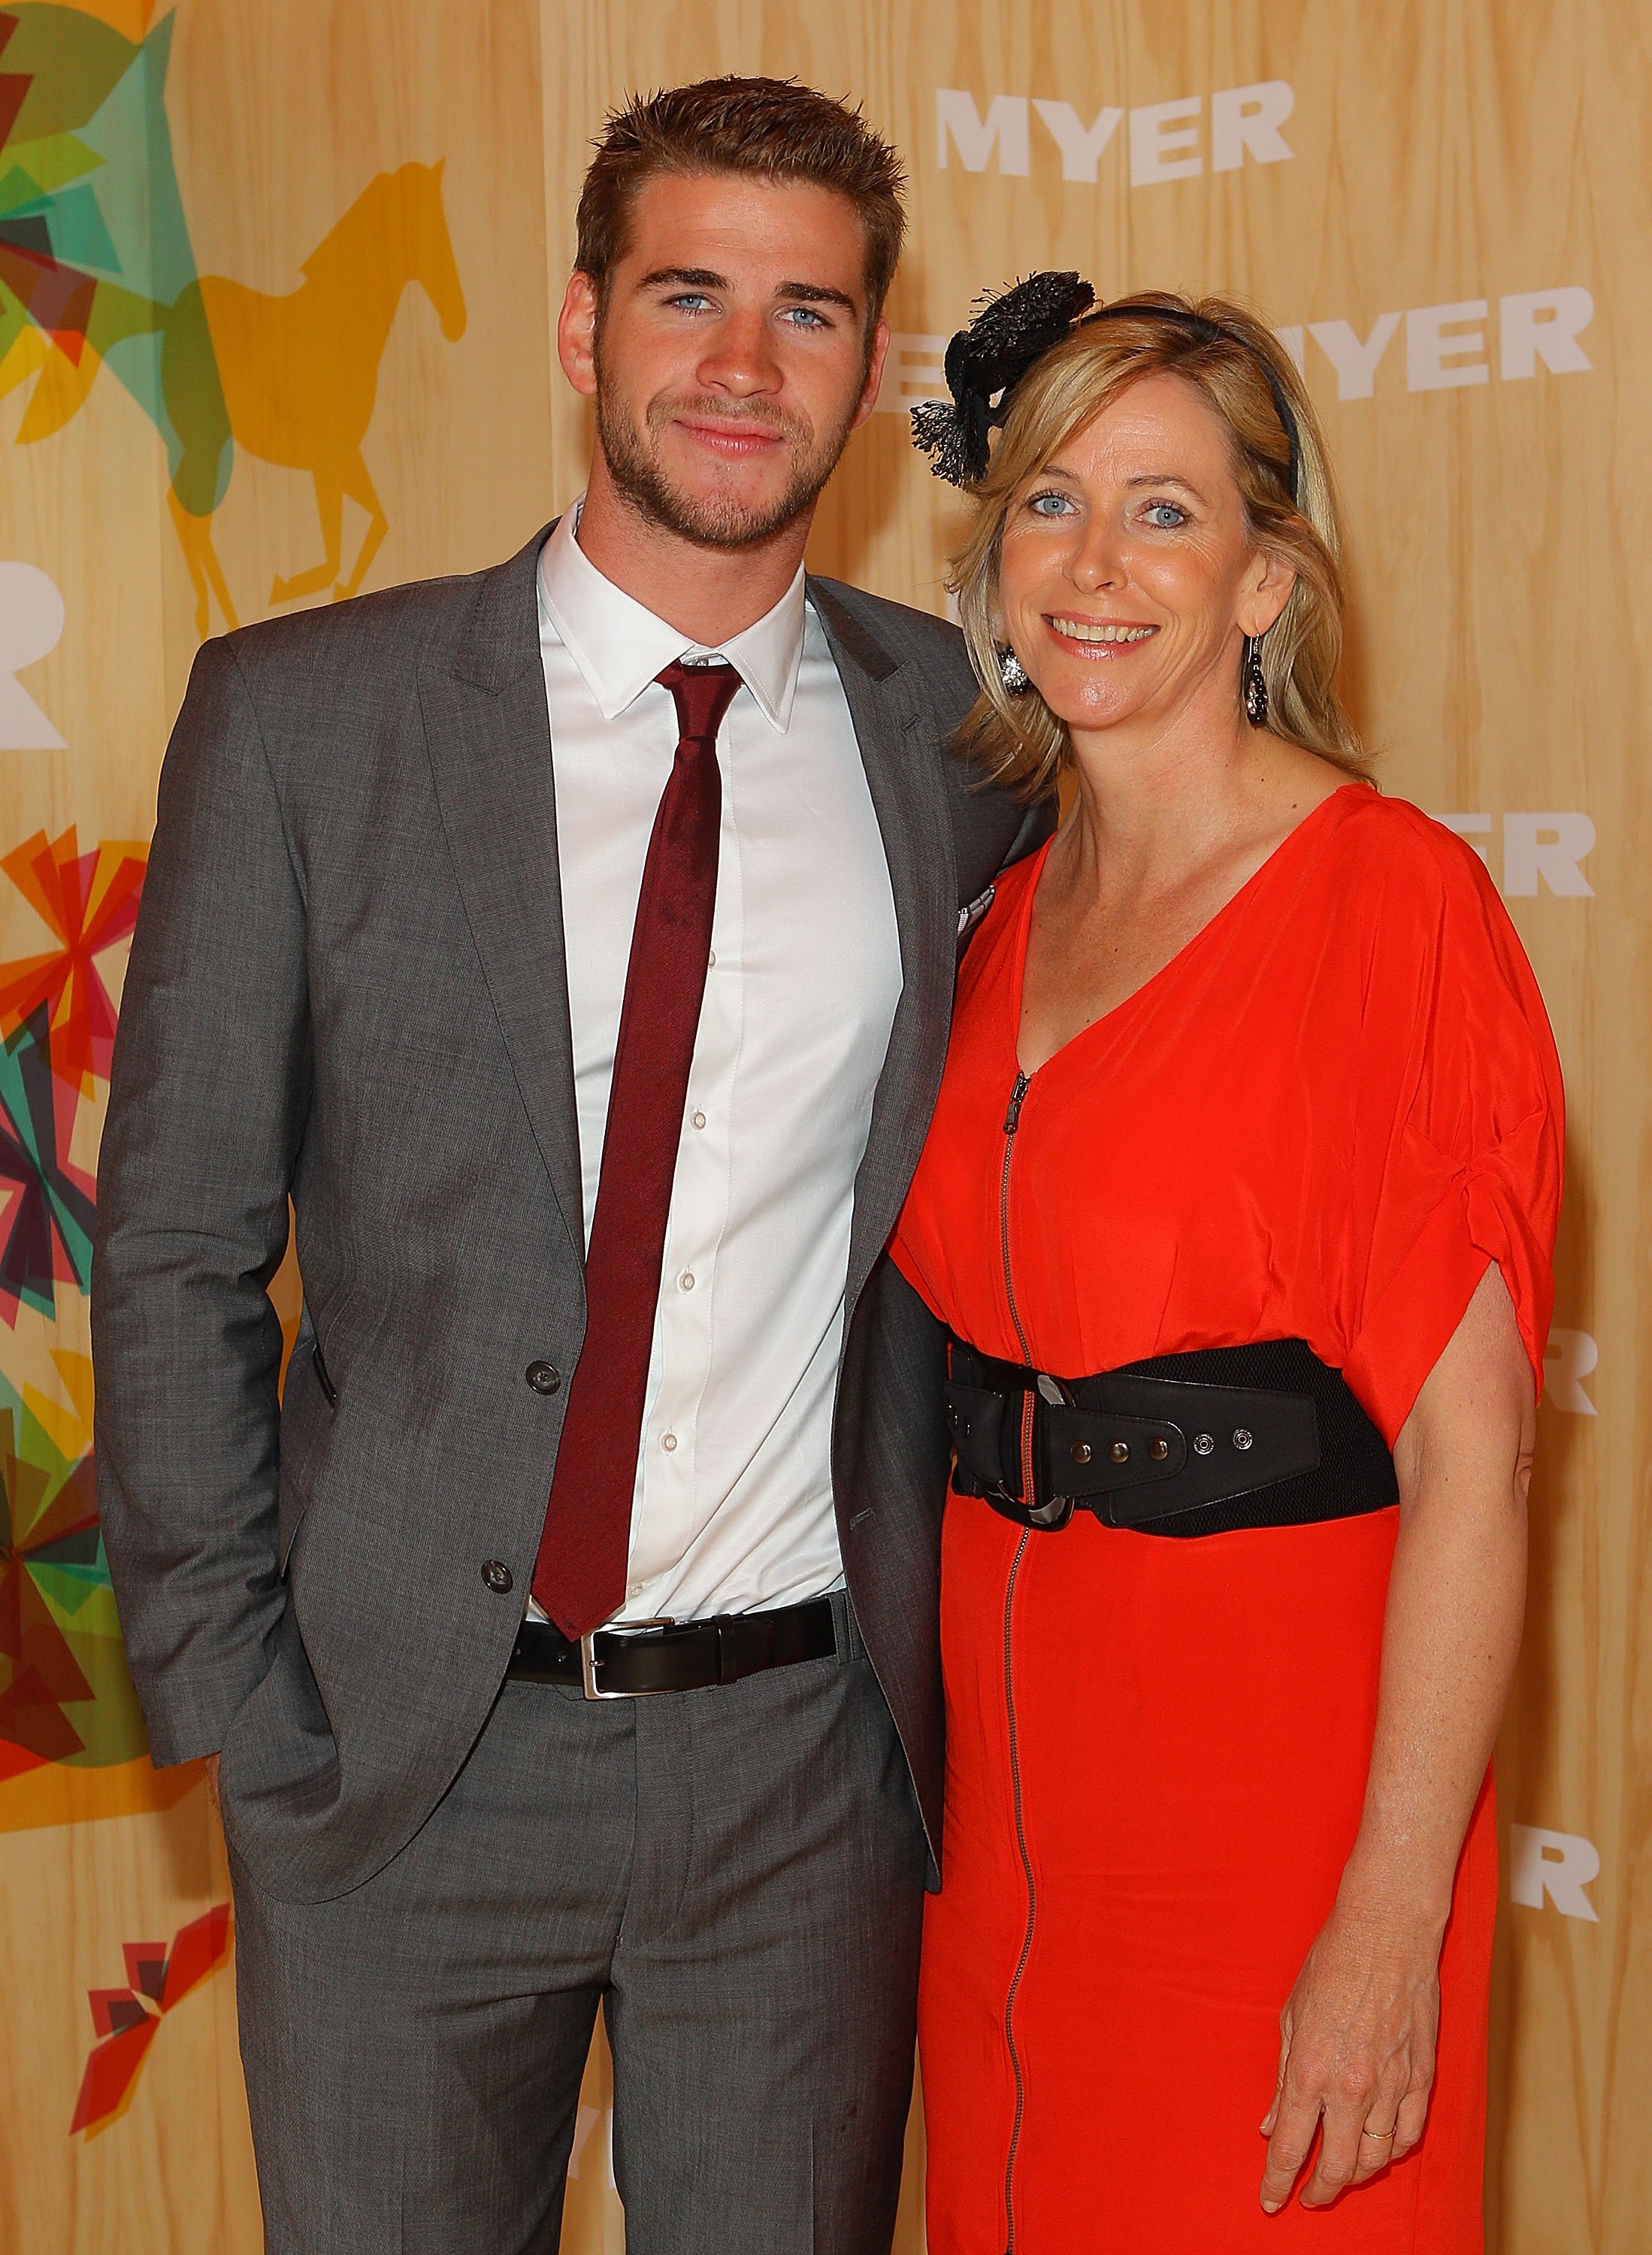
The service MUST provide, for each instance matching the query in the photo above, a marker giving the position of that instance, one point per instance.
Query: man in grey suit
(572, 945)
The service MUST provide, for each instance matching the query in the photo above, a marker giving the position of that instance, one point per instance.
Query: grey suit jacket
(347, 988)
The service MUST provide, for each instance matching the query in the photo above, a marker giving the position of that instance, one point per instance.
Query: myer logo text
(1541, 852)
(1552, 1867)
(1443, 348)
(1569, 1359)
(1160, 141)
(31, 628)
(1529, 333)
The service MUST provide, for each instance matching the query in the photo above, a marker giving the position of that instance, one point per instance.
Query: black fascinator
(985, 362)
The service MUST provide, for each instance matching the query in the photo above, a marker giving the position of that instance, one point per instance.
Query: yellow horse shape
(299, 373)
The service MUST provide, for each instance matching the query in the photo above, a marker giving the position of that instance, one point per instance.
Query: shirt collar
(619, 646)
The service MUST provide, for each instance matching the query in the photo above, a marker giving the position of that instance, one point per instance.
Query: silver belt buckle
(588, 1662)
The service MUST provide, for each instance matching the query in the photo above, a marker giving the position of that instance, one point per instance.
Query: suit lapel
(488, 733)
(899, 755)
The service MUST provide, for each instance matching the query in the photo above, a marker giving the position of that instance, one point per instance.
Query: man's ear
(576, 333)
(874, 375)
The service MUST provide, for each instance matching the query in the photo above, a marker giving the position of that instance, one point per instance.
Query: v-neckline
(1018, 973)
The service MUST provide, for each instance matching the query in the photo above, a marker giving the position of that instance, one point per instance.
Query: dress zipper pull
(1012, 1118)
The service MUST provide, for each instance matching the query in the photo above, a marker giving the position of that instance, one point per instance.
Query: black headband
(987, 360)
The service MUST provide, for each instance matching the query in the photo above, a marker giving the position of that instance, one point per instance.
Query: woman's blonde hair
(1018, 739)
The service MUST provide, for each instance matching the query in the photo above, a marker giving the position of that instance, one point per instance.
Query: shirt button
(669, 1442)
(698, 1119)
(710, 960)
(686, 1279)
(498, 1577)
(544, 1377)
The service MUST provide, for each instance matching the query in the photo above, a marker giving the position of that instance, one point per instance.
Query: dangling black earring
(1254, 683)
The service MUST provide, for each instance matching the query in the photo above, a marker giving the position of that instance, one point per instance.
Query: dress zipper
(1012, 1121)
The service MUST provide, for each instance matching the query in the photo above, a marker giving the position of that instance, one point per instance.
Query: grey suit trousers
(734, 1874)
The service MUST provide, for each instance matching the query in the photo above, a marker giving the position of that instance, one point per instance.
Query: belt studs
(1120, 1453)
(1081, 1452)
(1241, 1438)
(1158, 1450)
(1203, 1444)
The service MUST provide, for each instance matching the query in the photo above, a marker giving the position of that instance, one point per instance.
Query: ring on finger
(1380, 2136)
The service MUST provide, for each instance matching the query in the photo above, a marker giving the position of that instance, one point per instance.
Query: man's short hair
(766, 129)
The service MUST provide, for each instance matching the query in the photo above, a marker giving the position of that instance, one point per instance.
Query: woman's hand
(1358, 2035)
(1356, 2052)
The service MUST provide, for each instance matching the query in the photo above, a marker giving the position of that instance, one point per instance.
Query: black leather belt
(1259, 1436)
(636, 1659)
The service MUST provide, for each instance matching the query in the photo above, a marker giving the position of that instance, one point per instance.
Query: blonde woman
(1240, 1205)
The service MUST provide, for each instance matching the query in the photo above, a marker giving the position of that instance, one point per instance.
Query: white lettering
(1248, 119)
(1157, 134)
(1294, 338)
(1080, 144)
(1355, 361)
(1470, 826)
(1544, 325)
(913, 371)
(1164, 136)
(1568, 1358)
(1428, 349)
(31, 628)
(1550, 847)
(974, 136)
(1559, 1864)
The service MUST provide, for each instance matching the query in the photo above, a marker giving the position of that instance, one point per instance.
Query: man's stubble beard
(717, 521)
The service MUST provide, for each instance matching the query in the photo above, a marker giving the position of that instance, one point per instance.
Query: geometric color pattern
(45, 1225)
(66, 1695)
(90, 901)
(95, 263)
(127, 2020)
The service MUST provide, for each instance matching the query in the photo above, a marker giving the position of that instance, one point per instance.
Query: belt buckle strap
(589, 1662)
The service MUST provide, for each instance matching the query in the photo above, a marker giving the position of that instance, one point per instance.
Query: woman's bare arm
(1358, 2035)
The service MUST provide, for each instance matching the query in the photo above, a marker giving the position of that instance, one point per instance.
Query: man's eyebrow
(684, 277)
(702, 277)
(816, 294)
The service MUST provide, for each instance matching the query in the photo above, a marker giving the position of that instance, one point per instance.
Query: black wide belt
(1260, 1436)
(636, 1659)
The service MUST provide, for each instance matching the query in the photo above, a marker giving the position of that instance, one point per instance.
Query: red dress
(1321, 1120)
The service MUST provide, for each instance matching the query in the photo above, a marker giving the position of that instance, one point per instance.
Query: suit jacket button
(498, 1577)
(544, 1377)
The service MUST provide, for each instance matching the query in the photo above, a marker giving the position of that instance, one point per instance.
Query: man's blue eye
(689, 300)
(1164, 516)
(804, 316)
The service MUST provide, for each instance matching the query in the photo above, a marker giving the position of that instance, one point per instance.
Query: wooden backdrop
(1443, 207)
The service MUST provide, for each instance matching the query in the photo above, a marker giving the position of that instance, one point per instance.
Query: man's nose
(739, 359)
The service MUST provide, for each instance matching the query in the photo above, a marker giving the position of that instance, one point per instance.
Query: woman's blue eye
(1164, 516)
(1060, 503)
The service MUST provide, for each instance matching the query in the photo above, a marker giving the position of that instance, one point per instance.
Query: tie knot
(702, 695)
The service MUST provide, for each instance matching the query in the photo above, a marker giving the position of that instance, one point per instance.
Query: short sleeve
(1459, 1151)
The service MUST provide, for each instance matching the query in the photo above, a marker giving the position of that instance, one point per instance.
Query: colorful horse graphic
(96, 268)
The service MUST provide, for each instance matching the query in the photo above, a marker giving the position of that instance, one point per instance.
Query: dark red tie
(579, 1576)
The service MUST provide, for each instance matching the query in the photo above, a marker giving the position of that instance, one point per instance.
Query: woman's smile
(1096, 638)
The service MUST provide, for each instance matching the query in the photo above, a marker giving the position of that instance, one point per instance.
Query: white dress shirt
(733, 1505)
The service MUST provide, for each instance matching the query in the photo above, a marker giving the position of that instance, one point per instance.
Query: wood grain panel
(1443, 155)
